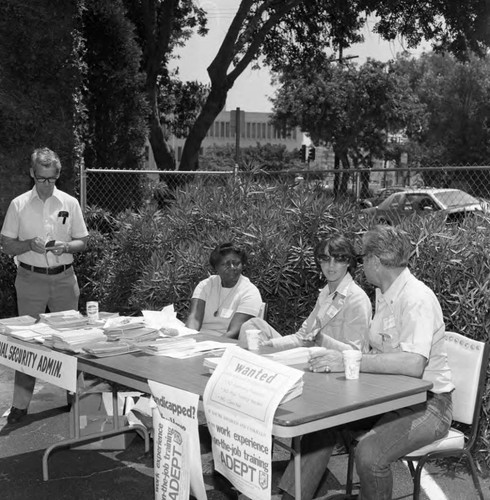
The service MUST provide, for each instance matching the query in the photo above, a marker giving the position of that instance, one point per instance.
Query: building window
(216, 129)
(248, 129)
(253, 130)
(263, 130)
(227, 129)
(269, 130)
(222, 134)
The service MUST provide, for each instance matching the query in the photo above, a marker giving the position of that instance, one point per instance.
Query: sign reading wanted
(240, 401)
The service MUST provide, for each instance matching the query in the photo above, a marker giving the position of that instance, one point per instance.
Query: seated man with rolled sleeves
(43, 228)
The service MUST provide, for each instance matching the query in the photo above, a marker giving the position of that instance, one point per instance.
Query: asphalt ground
(128, 474)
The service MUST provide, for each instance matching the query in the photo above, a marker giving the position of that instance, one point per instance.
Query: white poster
(51, 366)
(240, 401)
(177, 454)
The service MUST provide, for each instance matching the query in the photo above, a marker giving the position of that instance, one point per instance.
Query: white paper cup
(352, 363)
(253, 337)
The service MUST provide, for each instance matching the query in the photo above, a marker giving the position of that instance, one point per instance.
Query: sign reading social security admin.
(51, 366)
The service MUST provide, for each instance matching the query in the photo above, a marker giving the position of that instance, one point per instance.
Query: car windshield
(455, 198)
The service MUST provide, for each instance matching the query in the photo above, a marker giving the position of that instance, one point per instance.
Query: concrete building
(255, 127)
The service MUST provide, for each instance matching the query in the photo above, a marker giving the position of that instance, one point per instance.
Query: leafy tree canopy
(456, 96)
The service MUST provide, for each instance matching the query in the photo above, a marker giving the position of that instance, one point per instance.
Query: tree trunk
(214, 104)
(345, 176)
(336, 179)
(365, 178)
(161, 151)
(341, 179)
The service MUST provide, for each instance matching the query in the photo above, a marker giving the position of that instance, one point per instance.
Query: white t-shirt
(58, 218)
(244, 298)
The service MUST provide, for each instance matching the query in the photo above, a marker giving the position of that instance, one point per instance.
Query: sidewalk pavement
(128, 474)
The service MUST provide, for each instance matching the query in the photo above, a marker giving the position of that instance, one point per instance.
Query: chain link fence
(114, 191)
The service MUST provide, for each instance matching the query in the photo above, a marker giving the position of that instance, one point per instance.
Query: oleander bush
(151, 259)
(8, 300)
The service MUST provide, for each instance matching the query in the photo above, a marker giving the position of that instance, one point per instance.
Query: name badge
(332, 311)
(389, 323)
(226, 313)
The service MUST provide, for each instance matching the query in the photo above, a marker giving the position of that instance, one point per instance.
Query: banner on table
(177, 454)
(240, 401)
(51, 366)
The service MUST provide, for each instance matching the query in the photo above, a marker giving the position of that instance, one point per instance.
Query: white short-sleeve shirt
(58, 218)
(223, 303)
(409, 318)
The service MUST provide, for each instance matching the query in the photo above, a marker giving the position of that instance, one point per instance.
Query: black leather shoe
(16, 415)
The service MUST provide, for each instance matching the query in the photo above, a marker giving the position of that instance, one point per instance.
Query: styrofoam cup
(253, 337)
(352, 363)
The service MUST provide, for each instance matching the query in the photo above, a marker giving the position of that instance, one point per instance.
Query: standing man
(406, 337)
(43, 228)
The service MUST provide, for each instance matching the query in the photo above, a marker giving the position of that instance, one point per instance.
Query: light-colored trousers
(35, 293)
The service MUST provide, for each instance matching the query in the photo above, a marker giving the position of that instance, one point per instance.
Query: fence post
(83, 187)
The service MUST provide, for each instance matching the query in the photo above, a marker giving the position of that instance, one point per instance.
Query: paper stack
(76, 340)
(106, 348)
(139, 334)
(165, 346)
(167, 322)
(64, 319)
(40, 332)
(8, 325)
(119, 324)
(211, 363)
(295, 391)
(295, 356)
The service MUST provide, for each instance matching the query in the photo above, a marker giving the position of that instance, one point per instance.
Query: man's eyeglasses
(336, 258)
(43, 180)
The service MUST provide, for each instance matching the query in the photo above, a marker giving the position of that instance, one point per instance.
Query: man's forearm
(15, 247)
(75, 246)
(396, 363)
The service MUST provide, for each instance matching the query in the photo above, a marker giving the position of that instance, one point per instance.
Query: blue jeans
(394, 435)
(316, 450)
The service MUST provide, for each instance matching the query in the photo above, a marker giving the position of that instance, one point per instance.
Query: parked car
(455, 203)
(380, 196)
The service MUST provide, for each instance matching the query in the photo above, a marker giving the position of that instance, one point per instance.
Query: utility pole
(336, 166)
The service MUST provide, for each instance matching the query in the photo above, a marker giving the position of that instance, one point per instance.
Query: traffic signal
(311, 153)
(303, 153)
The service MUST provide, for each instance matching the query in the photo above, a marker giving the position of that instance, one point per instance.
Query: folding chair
(263, 311)
(468, 360)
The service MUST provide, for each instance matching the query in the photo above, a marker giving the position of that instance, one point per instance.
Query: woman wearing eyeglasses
(221, 303)
(340, 320)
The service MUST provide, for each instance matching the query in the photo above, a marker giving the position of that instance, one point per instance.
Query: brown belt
(45, 270)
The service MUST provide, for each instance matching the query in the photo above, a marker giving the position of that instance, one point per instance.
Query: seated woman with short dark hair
(221, 303)
(340, 318)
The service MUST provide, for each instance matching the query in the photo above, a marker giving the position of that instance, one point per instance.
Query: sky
(253, 88)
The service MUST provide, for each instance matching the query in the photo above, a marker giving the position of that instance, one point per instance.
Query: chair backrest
(263, 311)
(468, 360)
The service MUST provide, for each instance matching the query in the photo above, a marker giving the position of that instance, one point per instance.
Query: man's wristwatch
(67, 248)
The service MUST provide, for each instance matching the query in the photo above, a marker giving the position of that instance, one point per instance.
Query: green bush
(8, 298)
